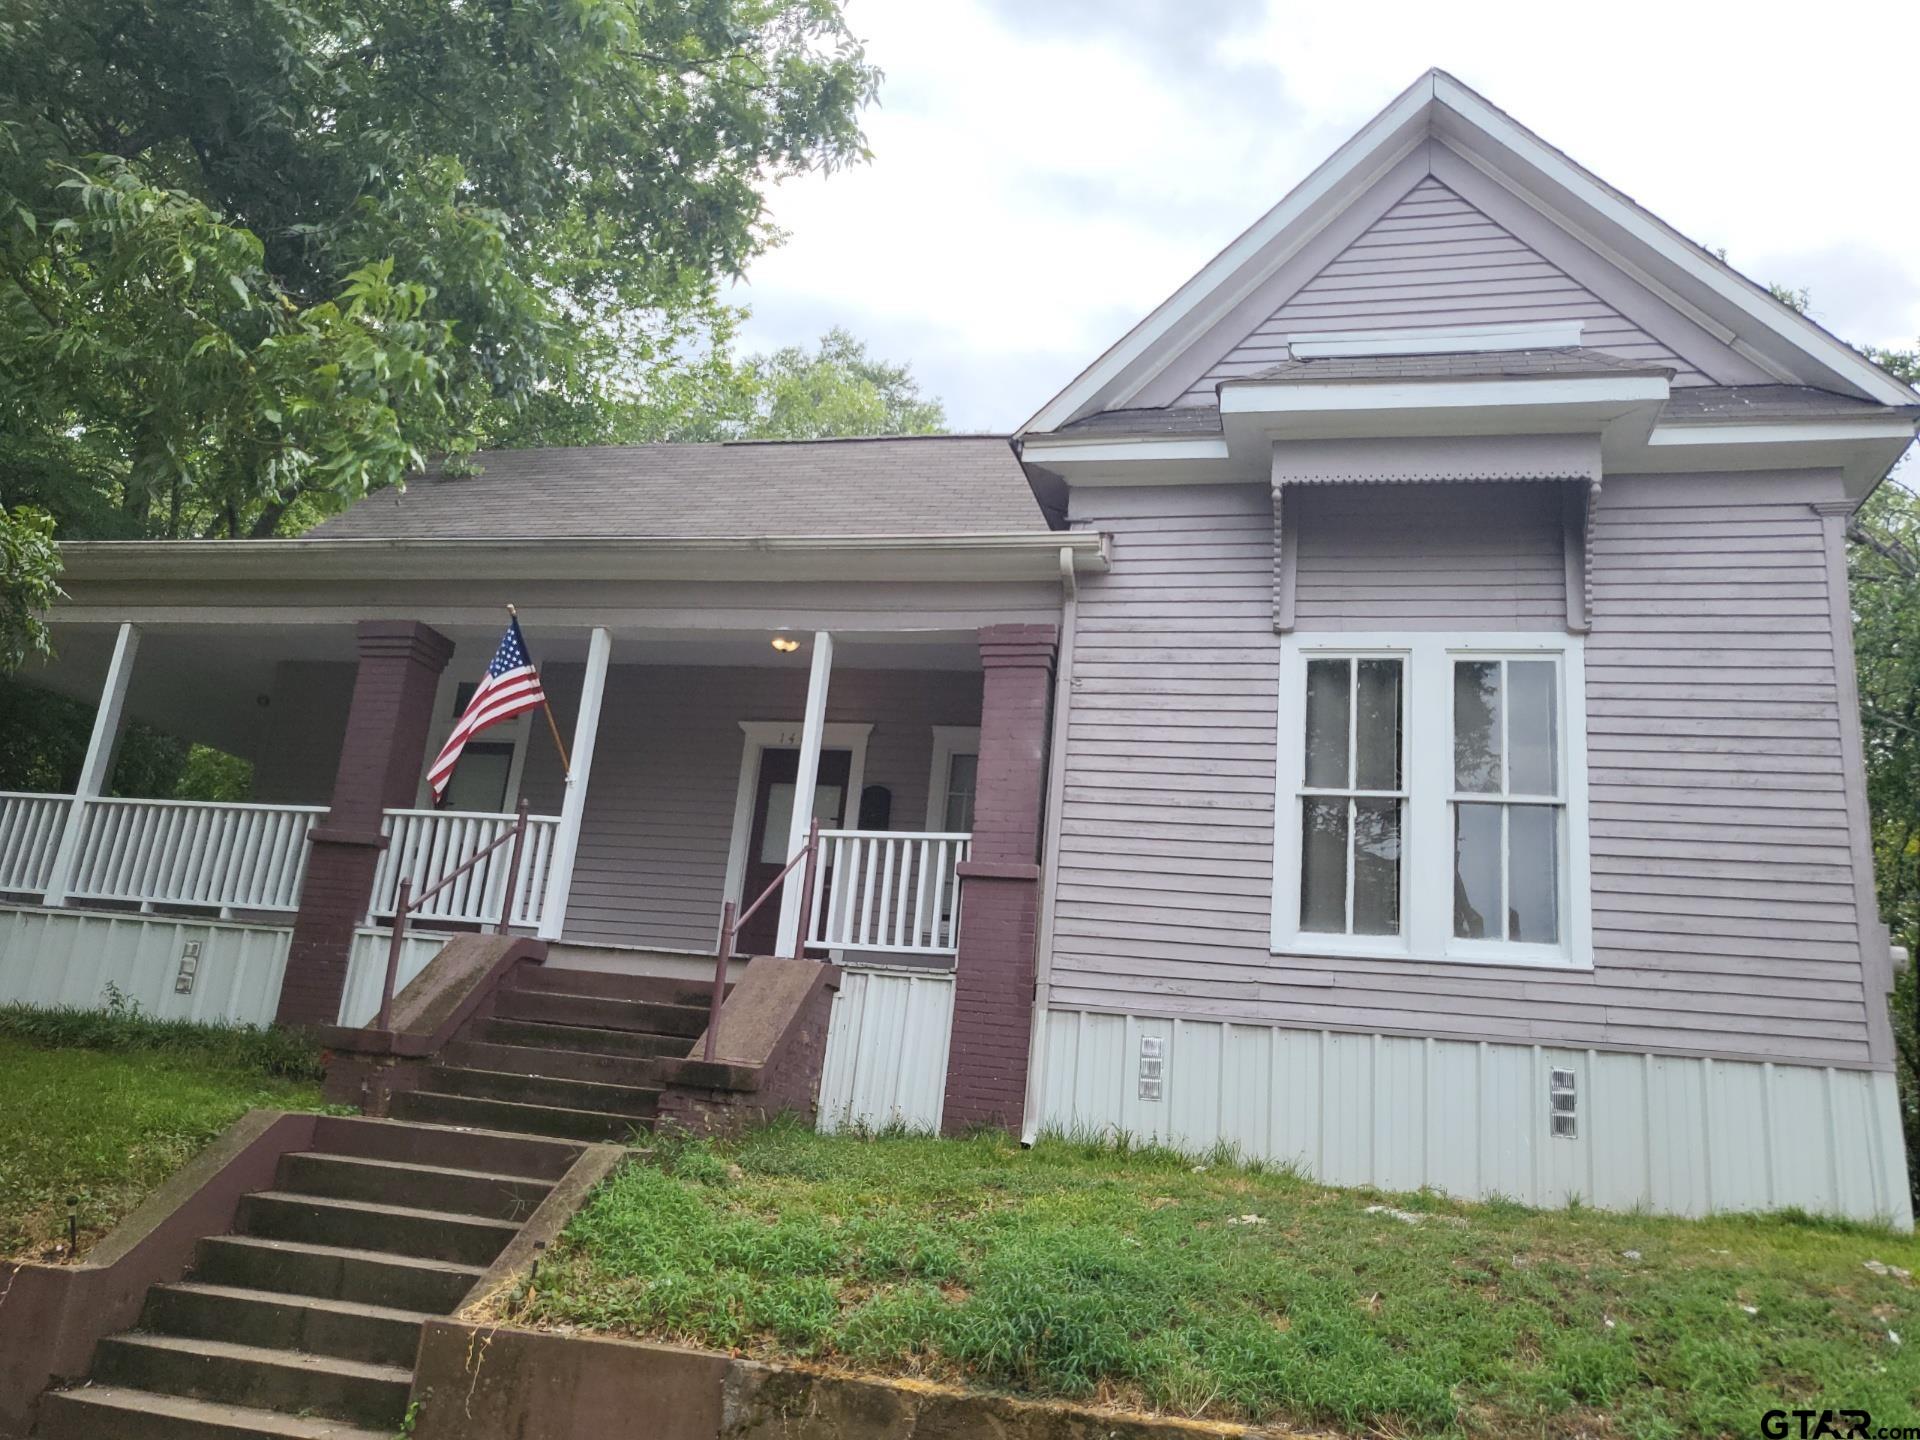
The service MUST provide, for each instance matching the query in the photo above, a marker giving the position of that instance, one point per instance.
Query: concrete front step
(367, 1395)
(630, 1100)
(347, 1331)
(592, 1125)
(388, 1182)
(109, 1412)
(545, 1060)
(333, 1272)
(362, 1225)
(629, 1044)
(598, 1012)
(611, 985)
(497, 1153)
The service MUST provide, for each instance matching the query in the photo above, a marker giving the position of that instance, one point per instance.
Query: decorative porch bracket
(97, 769)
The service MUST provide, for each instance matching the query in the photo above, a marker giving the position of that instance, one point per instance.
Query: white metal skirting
(367, 969)
(1681, 1136)
(886, 1060)
(70, 957)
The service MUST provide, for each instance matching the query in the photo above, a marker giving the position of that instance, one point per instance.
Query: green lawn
(107, 1125)
(1135, 1279)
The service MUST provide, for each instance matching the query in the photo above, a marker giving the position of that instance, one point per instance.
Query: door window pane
(1323, 866)
(1376, 867)
(479, 780)
(1476, 726)
(1533, 872)
(826, 809)
(1476, 872)
(1533, 764)
(1329, 687)
(1377, 727)
(961, 770)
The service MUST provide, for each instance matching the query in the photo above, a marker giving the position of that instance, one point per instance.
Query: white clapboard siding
(1435, 259)
(193, 853)
(425, 846)
(73, 957)
(30, 827)
(1676, 1135)
(1723, 899)
(891, 891)
(886, 1062)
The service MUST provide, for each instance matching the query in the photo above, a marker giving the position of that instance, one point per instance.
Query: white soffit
(1438, 106)
(1407, 459)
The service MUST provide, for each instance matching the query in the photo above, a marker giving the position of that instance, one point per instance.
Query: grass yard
(1135, 1279)
(103, 1107)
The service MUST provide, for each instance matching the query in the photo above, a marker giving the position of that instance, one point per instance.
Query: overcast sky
(1047, 171)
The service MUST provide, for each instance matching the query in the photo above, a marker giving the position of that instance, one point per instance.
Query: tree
(258, 256)
(29, 584)
(838, 390)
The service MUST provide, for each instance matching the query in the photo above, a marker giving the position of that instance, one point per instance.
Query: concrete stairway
(303, 1324)
(565, 1052)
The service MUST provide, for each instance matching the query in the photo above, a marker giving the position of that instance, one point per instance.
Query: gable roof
(902, 486)
(1439, 122)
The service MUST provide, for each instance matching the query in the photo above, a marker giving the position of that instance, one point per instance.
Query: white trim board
(1441, 340)
(762, 735)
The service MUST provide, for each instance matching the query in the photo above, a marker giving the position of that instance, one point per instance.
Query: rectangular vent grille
(1563, 1104)
(1153, 1066)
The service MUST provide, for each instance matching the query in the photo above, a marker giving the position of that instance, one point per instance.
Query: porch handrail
(230, 854)
(404, 902)
(893, 892)
(420, 843)
(730, 926)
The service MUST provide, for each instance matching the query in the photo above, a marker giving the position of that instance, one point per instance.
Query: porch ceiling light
(785, 644)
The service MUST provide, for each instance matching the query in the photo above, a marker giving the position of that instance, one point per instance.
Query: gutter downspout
(1050, 851)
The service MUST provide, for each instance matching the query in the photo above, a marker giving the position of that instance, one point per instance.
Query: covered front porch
(686, 754)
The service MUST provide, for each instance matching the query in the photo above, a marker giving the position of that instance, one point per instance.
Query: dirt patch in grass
(1137, 1278)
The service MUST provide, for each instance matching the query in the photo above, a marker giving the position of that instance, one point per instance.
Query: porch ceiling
(213, 682)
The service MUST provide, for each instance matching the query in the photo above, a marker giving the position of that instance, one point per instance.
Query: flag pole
(566, 765)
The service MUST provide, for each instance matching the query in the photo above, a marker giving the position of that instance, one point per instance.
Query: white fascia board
(1232, 274)
(1106, 452)
(1862, 450)
(1025, 555)
(1449, 340)
(1296, 397)
(1723, 285)
(1792, 432)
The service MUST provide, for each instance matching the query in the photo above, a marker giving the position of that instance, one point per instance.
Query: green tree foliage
(837, 390)
(29, 584)
(258, 256)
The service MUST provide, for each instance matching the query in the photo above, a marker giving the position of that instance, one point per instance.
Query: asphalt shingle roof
(1472, 364)
(919, 485)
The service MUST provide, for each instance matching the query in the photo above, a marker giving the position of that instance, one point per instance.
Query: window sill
(1485, 955)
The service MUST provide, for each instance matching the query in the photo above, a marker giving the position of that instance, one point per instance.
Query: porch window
(1431, 799)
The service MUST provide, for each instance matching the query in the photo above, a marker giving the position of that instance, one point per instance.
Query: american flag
(512, 687)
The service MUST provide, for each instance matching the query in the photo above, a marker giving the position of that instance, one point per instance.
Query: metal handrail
(730, 926)
(403, 902)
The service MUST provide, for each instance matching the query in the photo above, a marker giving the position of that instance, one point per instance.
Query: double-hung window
(1431, 799)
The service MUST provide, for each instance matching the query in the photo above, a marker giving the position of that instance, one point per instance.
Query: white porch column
(97, 769)
(813, 730)
(566, 844)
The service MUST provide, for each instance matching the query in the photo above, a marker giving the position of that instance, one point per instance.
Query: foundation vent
(1563, 1104)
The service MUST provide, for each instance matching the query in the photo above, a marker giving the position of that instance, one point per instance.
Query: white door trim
(948, 741)
(762, 735)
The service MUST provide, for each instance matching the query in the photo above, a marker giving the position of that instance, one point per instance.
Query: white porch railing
(423, 845)
(30, 828)
(890, 890)
(192, 852)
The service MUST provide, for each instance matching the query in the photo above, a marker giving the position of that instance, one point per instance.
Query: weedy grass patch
(100, 1107)
(1142, 1277)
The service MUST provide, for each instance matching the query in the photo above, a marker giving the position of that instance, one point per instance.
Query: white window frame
(1426, 864)
(948, 741)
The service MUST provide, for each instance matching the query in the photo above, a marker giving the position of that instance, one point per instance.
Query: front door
(767, 839)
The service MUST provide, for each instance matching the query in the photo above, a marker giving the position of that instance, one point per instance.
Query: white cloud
(1047, 171)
